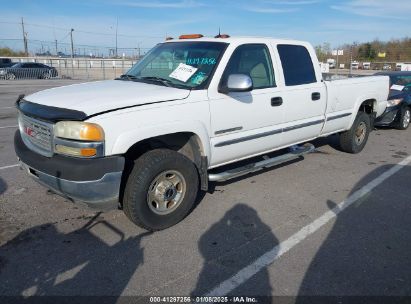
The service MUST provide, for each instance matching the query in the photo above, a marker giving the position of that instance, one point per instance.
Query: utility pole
(56, 46)
(26, 51)
(351, 59)
(72, 46)
(116, 36)
(139, 50)
(338, 67)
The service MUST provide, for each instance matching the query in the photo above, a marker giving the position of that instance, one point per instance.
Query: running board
(266, 163)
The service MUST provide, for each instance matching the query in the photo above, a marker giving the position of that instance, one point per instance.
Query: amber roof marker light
(191, 36)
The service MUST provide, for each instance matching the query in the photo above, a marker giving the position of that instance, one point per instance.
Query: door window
(254, 61)
(297, 64)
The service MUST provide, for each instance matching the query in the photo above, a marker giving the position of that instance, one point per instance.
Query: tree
(8, 52)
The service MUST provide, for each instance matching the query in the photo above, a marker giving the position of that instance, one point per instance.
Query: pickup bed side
(342, 93)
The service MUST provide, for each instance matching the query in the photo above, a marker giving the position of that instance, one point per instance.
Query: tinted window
(253, 60)
(297, 65)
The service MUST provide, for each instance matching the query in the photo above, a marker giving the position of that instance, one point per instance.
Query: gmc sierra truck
(151, 139)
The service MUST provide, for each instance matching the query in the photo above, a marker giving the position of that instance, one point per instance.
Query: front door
(245, 123)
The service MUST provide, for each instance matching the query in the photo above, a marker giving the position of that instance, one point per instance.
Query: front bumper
(93, 181)
(390, 116)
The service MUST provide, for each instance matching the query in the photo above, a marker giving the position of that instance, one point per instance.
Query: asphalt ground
(331, 224)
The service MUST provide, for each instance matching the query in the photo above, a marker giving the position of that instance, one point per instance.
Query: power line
(81, 31)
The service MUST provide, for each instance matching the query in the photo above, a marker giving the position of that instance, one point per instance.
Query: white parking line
(1, 108)
(7, 167)
(275, 253)
(6, 127)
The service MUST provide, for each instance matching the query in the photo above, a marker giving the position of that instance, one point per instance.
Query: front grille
(36, 134)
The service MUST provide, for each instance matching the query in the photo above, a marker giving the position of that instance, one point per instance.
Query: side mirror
(238, 83)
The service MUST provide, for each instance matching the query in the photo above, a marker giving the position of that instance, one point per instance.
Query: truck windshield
(187, 65)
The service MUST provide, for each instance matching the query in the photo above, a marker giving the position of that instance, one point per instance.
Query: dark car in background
(6, 62)
(28, 70)
(398, 112)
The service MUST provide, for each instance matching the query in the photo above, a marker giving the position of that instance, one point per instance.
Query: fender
(358, 103)
(127, 139)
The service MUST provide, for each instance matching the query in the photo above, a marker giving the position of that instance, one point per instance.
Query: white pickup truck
(151, 139)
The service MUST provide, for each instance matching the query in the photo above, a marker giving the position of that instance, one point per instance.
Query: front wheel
(161, 189)
(10, 76)
(354, 140)
(405, 118)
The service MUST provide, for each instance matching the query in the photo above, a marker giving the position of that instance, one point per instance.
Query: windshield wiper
(127, 77)
(164, 81)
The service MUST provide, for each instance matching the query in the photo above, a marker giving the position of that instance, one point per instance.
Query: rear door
(304, 93)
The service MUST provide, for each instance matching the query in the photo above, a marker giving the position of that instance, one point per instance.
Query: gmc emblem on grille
(30, 132)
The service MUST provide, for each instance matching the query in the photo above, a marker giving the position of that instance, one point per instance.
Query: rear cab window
(297, 65)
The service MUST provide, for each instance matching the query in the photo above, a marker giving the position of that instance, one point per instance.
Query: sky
(143, 23)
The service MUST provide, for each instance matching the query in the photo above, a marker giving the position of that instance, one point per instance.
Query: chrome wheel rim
(11, 76)
(406, 119)
(360, 133)
(166, 192)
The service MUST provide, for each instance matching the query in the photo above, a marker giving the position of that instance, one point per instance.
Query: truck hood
(100, 96)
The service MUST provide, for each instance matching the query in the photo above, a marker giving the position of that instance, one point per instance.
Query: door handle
(276, 101)
(315, 96)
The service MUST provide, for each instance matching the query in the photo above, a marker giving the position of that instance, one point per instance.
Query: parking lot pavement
(330, 224)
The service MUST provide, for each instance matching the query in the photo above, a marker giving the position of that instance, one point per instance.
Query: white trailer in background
(401, 66)
(366, 65)
(405, 67)
(331, 62)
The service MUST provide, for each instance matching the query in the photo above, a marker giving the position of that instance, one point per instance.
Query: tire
(405, 118)
(161, 189)
(354, 140)
(46, 76)
(10, 76)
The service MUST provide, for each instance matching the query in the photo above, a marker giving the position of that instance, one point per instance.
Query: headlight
(80, 139)
(394, 102)
(79, 130)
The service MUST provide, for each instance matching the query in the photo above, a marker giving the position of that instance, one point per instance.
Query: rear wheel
(354, 140)
(161, 189)
(46, 75)
(405, 119)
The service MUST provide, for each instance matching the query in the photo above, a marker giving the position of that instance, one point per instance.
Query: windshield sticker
(183, 72)
(199, 78)
(201, 60)
(397, 87)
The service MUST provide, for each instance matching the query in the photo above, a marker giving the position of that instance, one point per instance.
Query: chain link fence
(66, 68)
